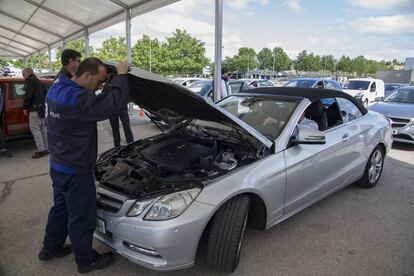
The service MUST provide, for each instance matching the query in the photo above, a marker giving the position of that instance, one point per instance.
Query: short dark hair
(90, 65)
(224, 70)
(69, 54)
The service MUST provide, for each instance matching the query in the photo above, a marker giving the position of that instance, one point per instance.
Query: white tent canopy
(34, 26)
(30, 27)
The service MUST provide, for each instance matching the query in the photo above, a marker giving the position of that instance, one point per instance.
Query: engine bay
(169, 162)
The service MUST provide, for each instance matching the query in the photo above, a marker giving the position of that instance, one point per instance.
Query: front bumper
(175, 241)
(403, 134)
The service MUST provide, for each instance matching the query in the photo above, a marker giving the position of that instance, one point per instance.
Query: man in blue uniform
(72, 112)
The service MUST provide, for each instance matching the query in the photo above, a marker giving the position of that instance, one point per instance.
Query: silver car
(244, 161)
(399, 109)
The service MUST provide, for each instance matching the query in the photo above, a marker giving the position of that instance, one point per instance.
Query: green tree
(265, 59)
(359, 65)
(327, 63)
(4, 62)
(281, 60)
(146, 52)
(307, 62)
(344, 64)
(243, 62)
(113, 49)
(183, 54)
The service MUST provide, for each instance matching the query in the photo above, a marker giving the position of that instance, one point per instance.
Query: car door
(17, 122)
(357, 129)
(314, 170)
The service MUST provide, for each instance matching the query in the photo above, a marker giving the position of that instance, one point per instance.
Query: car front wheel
(373, 168)
(226, 234)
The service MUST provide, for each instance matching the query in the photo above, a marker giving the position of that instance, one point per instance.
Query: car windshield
(391, 87)
(198, 86)
(267, 115)
(401, 96)
(358, 85)
(300, 83)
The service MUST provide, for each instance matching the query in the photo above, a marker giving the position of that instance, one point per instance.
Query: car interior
(325, 113)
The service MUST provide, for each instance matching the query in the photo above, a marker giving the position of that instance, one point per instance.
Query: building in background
(399, 76)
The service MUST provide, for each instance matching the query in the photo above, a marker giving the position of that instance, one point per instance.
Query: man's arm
(94, 108)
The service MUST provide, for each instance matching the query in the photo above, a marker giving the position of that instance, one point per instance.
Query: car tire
(226, 234)
(373, 169)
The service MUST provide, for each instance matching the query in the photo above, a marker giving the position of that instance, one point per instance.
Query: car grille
(107, 203)
(399, 122)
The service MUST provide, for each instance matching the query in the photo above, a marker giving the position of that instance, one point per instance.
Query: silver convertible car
(221, 167)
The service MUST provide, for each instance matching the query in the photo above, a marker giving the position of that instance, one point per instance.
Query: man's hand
(122, 68)
(26, 112)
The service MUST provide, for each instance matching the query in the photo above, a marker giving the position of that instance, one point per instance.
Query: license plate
(394, 132)
(100, 225)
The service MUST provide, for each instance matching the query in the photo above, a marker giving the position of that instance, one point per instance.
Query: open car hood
(174, 103)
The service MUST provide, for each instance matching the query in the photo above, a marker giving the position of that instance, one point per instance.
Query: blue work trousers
(73, 214)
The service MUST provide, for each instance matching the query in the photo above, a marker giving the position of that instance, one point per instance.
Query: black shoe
(102, 261)
(5, 154)
(46, 256)
(39, 154)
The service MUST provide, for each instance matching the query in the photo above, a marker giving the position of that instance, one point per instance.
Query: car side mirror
(308, 136)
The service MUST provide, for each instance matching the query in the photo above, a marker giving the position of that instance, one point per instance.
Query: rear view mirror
(308, 136)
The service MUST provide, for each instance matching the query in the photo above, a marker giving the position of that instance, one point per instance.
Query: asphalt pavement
(353, 232)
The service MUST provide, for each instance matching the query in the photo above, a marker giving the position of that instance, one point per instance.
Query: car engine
(168, 162)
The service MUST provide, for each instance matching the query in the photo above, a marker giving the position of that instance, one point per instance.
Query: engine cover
(176, 154)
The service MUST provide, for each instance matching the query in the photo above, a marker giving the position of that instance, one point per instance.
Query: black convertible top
(311, 94)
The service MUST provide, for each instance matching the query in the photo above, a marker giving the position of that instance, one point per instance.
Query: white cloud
(313, 40)
(294, 5)
(245, 4)
(272, 45)
(389, 25)
(403, 5)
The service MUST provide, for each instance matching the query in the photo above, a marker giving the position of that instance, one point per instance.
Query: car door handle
(345, 137)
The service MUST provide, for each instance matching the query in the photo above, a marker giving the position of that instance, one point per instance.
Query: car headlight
(172, 205)
(139, 207)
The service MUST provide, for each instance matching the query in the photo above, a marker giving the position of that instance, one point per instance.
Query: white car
(365, 89)
(186, 81)
(259, 82)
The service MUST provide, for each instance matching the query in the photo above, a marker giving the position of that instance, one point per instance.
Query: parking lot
(353, 232)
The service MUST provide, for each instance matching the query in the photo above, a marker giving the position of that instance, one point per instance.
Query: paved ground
(354, 232)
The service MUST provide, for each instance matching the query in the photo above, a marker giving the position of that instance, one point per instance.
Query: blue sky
(377, 29)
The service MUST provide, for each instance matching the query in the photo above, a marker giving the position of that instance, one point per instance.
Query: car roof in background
(311, 94)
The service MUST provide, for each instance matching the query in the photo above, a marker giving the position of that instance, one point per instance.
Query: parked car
(259, 82)
(314, 83)
(392, 87)
(366, 90)
(399, 109)
(239, 85)
(186, 81)
(15, 124)
(223, 166)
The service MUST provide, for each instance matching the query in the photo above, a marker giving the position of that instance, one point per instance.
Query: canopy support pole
(50, 58)
(218, 49)
(128, 33)
(86, 35)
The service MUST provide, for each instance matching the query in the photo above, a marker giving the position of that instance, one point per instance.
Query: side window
(373, 87)
(319, 85)
(17, 91)
(330, 85)
(333, 115)
(349, 110)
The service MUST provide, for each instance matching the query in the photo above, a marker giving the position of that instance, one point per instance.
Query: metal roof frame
(136, 8)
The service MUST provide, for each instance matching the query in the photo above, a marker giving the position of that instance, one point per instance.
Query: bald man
(34, 107)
